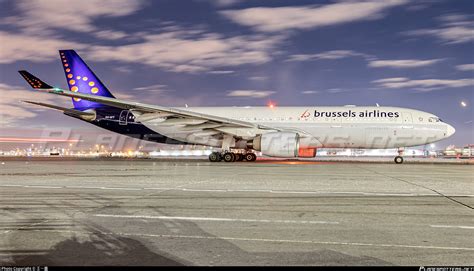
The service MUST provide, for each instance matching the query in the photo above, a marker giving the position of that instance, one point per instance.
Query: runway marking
(295, 241)
(312, 242)
(43, 186)
(203, 190)
(453, 226)
(121, 188)
(85, 187)
(191, 218)
(26, 227)
(237, 190)
(159, 188)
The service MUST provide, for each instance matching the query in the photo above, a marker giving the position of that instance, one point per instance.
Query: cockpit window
(434, 119)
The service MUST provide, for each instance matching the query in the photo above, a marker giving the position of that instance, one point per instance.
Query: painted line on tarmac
(42, 186)
(453, 226)
(159, 188)
(85, 187)
(121, 188)
(310, 242)
(297, 241)
(237, 190)
(217, 219)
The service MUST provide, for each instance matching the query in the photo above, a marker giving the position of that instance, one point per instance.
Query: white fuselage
(328, 126)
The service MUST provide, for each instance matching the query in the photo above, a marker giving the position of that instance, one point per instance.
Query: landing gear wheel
(398, 160)
(239, 157)
(250, 157)
(215, 157)
(229, 157)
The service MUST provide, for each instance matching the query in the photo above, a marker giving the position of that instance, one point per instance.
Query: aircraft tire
(229, 157)
(248, 157)
(398, 160)
(214, 157)
(238, 157)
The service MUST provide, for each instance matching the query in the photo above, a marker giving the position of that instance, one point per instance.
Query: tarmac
(193, 212)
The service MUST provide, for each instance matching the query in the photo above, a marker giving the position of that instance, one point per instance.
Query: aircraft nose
(450, 130)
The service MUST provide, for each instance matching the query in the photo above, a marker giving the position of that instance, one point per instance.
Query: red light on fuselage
(271, 104)
(306, 152)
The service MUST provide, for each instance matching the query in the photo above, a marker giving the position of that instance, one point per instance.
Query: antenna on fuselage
(377, 104)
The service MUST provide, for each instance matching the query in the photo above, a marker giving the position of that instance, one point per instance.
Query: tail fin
(81, 78)
(34, 81)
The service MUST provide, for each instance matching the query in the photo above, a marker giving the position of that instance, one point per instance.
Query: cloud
(153, 88)
(402, 63)
(274, 19)
(258, 78)
(334, 54)
(188, 51)
(221, 72)
(225, 3)
(423, 84)
(336, 90)
(37, 16)
(191, 51)
(449, 35)
(465, 67)
(13, 110)
(310, 92)
(250, 93)
(17, 47)
(454, 29)
(372, 60)
(111, 35)
(390, 80)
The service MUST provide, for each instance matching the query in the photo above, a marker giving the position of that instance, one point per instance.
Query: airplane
(239, 132)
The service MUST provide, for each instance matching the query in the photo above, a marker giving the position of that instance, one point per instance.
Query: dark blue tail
(81, 78)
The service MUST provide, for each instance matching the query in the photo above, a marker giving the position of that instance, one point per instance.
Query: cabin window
(433, 119)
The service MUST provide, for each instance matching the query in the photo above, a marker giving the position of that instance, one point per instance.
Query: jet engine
(277, 144)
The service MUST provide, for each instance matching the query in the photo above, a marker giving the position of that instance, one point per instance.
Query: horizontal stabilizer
(34, 81)
(67, 111)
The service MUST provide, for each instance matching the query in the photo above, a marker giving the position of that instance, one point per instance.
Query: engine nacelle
(277, 144)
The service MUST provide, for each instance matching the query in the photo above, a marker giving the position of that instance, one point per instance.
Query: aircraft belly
(373, 136)
(327, 135)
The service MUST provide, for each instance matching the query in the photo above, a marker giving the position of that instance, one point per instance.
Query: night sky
(415, 54)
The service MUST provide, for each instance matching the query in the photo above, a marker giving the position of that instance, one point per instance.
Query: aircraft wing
(152, 109)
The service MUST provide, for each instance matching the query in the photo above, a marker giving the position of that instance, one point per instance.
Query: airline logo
(305, 114)
(361, 114)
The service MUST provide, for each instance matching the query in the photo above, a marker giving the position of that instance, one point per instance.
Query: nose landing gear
(398, 160)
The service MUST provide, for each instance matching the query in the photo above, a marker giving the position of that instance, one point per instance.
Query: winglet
(34, 81)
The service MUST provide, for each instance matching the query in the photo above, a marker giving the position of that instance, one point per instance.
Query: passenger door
(123, 118)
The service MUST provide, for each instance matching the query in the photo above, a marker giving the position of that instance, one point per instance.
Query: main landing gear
(232, 157)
